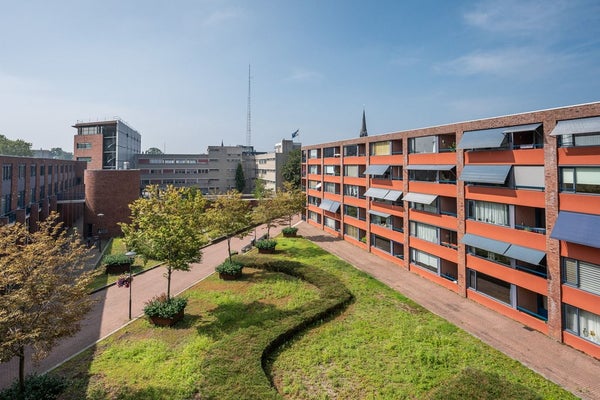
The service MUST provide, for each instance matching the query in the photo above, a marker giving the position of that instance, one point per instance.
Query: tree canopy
(240, 180)
(291, 200)
(43, 288)
(153, 150)
(227, 216)
(291, 169)
(59, 153)
(167, 225)
(15, 147)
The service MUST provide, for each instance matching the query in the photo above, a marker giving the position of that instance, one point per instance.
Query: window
(582, 275)
(579, 140)
(84, 145)
(313, 169)
(89, 130)
(86, 159)
(32, 195)
(350, 151)
(314, 153)
(426, 176)
(6, 200)
(351, 211)
(529, 177)
(331, 187)
(381, 148)
(351, 170)
(312, 200)
(21, 199)
(424, 260)
(7, 172)
(315, 185)
(352, 231)
(582, 323)
(351, 190)
(331, 223)
(22, 170)
(49, 169)
(332, 170)
(485, 211)
(580, 179)
(426, 144)
(381, 243)
(381, 220)
(431, 208)
(492, 287)
(313, 216)
(42, 191)
(396, 172)
(424, 231)
(331, 152)
(489, 255)
(32, 170)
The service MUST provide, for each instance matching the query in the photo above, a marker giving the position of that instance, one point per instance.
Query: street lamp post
(131, 255)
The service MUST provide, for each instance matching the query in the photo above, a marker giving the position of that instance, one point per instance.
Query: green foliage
(153, 150)
(44, 294)
(268, 211)
(164, 307)
(116, 259)
(167, 225)
(37, 387)
(289, 230)
(58, 153)
(291, 169)
(229, 267)
(260, 190)
(240, 180)
(290, 201)
(265, 244)
(15, 147)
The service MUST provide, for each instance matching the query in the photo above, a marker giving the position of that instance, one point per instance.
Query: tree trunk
(21, 372)
(169, 270)
(229, 248)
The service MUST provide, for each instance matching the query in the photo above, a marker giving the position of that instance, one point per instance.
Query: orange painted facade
(533, 294)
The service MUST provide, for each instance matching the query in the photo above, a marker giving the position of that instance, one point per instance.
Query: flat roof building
(269, 166)
(504, 211)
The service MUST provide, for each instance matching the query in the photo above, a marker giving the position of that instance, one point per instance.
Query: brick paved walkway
(569, 368)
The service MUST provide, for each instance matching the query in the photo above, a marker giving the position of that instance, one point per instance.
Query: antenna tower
(249, 118)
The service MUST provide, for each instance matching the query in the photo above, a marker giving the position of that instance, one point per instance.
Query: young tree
(291, 200)
(268, 211)
(43, 289)
(260, 191)
(228, 215)
(291, 168)
(167, 225)
(240, 180)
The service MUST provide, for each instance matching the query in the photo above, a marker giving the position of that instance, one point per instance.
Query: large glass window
(381, 243)
(84, 145)
(352, 231)
(582, 323)
(381, 148)
(331, 187)
(424, 231)
(331, 152)
(315, 185)
(424, 260)
(313, 216)
(490, 286)
(313, 169)
(581, 274)
(331, 223)
(580, 140)
(7, 172)
(431, 208)
(351, 190)
(313, 153)
(351, 170)
(426, 144)
(495, 257)
(351, 211)
(580, 179)
(485, 211)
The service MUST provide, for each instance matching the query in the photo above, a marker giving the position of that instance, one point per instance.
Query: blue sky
(177, 71)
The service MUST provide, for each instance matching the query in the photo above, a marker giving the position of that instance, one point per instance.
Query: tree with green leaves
(43, 289)
(15, 147)
(260, 190)
(240, 180)
(60, 154)
(291, 201)
(268, 211)
(227, 216)
(167, 225)
(291, 170)
(153, 150)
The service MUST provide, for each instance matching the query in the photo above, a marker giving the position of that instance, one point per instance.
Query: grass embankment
(117, 246)
(381, 346)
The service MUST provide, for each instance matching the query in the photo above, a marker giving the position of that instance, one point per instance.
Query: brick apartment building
(34, 187)
(504, 211)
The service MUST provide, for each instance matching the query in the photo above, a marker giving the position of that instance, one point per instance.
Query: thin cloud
(510, 62)
(517, 17)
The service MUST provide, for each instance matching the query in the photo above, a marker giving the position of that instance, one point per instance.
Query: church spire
(363, 130)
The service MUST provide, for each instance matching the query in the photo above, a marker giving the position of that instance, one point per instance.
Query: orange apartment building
(504, 211)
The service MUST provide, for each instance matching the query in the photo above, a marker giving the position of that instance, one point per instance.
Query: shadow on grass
(475, 384)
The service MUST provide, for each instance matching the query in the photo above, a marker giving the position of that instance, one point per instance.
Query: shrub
(266, 244)
(37, 387)
(116, 259)
(229, 267)
(160, 306)
(289, 230)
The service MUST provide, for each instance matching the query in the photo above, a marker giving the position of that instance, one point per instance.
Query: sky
(177, 71)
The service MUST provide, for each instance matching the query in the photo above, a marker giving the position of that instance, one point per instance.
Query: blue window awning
(495, 174)
(421, 198)
(379, 214)
(522, 128)
(495, 246)
(325, 204)
(376, 169)
(577, 126)
(430, 167)
(532, 256)
(393, 195)
(577, 228)
(482, 139)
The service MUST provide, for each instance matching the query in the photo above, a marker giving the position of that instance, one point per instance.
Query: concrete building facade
(106, 144)
(269, 165)
(503, 211)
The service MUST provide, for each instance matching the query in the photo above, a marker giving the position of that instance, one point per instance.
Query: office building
(504, 211)
(269, 166)
(106, 144)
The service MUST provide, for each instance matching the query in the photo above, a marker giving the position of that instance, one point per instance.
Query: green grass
(321, 330)
(117, 246)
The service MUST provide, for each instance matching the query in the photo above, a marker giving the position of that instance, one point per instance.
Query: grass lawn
(329, 332)
(117, 246)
